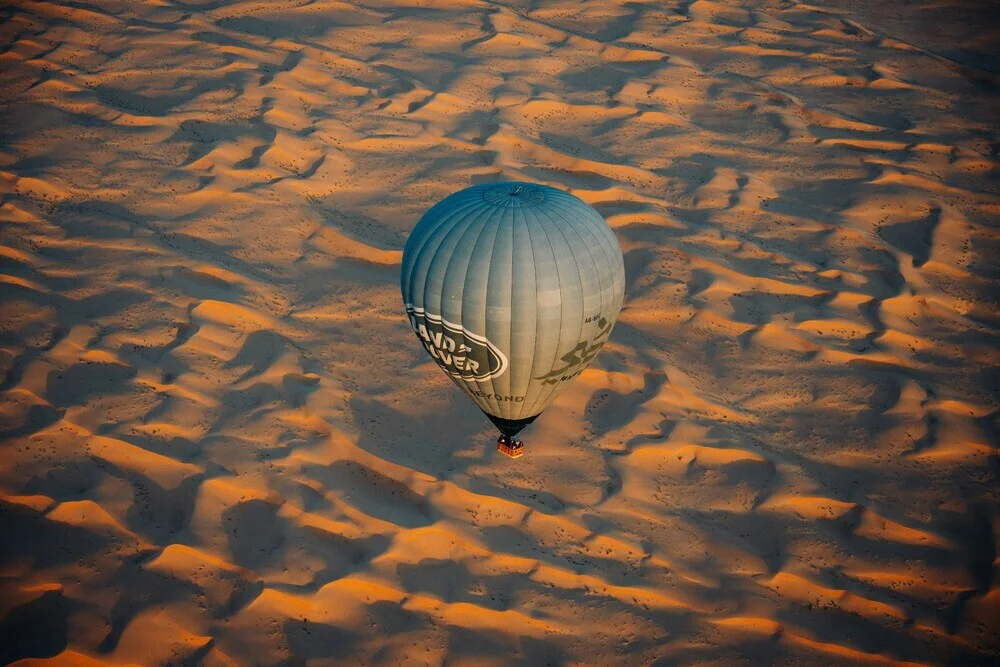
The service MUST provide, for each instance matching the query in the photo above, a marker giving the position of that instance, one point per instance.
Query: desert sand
(221, 443)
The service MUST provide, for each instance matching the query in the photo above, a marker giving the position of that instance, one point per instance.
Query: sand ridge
(221, 445)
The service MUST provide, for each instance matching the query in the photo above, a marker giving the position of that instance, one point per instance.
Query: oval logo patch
(459, 352)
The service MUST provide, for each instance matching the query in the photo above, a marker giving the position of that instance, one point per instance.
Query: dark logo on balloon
(577, 359)
(458, 351)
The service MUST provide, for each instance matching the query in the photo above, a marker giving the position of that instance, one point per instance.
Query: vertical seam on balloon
(590, 230)
(486, 302)
(612, 257)
(558, 207)
(447, 268)
(510, 321)
(417, 249)
(555, 264)
(534, 338)
(453, 221)
(465, 284)
(593, 262)
(615, 259)
(562, 309)
(597, 270)
(423, 245)
(545, 398)
(459, 219)
(490, 212)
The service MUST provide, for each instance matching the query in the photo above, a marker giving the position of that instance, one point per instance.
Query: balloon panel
(512, 288)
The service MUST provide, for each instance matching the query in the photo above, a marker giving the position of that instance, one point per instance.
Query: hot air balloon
(512, 288)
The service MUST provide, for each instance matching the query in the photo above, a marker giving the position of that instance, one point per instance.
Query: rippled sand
(221, 443)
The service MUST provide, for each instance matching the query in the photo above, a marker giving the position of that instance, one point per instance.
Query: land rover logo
(459, 352)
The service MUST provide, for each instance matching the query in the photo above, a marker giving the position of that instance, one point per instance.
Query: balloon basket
(514, 450)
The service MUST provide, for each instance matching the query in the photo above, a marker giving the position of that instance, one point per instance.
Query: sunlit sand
(222, 444)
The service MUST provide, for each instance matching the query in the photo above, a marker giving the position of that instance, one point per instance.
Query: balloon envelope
(512, 288)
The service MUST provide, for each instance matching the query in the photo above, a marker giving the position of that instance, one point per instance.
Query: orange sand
(221, 445)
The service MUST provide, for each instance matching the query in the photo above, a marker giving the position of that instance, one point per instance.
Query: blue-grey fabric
(512, 288)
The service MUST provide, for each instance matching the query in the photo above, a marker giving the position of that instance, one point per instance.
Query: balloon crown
(514, 194)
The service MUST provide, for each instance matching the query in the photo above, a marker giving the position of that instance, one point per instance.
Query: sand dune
(221, 445)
